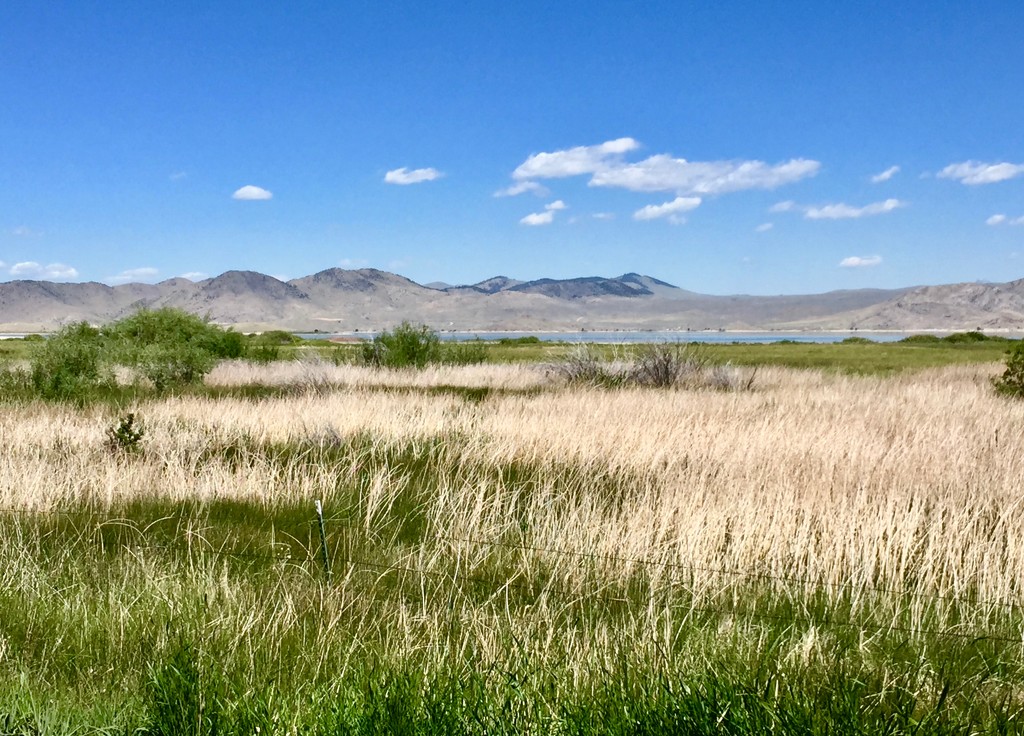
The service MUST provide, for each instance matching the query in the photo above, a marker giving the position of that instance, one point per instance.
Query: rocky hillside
(368, 299)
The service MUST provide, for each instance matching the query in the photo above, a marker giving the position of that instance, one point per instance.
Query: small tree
(69, 365)
(171, 347)
(407, 346)
(1011, 383)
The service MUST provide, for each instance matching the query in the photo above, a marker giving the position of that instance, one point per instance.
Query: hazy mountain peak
(496, 284)
(582, 287)
(361, 280)
(646, 281)
(337, 299)
(244, 283)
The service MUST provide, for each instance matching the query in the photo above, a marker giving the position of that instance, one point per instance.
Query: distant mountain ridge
(341, 300)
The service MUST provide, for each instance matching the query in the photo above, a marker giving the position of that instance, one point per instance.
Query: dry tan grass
(315, 373)
(913, 481)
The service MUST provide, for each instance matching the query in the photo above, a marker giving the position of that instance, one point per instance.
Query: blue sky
(727, 147)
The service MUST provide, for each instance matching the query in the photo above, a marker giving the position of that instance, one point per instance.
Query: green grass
(861, 358)
(857, 358)
(216, 617)
(916, 352)
(16, 349)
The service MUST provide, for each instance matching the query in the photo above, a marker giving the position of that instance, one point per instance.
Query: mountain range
(340, 300)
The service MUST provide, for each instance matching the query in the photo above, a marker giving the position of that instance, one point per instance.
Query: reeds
(573, 540)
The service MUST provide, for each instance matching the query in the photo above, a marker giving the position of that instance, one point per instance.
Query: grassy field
(860, 357)
(827, 552)
(875, 358)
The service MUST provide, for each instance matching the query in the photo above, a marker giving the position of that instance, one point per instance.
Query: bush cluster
(266, 347)
(955, 338)
(165, 348)
(417, 346)
(70, 364)
(1011, 383)
(665, 365)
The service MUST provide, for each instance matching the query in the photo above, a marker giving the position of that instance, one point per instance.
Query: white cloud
(671, 210)
(663, 173)
(538, 218)
(606, 166)
(547, 216)
(178, 175)
(786, 206)
(845, 212)
(195, 275)
(604, 215)
(860, 261)
(352, 262)
(24, 231)
(133, 275)
(885, 175)
(1004, 220)
(574, 161)
(764, 227)
(974, 173)
(252, 193)
(414, 176)
(521, 187)
(3, 265)
(52, 271)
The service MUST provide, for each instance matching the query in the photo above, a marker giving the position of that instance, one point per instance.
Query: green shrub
(169, 326)
(525, 340)
(469, 352)
(263, 352)
(1011, 383)
(15, 384)
(70, 364)
(170, 347)
(169, 366)
(126, 435)
(277, 337)
(921, 340)
(965, 337)
(266, 347)
(857, 341)
(407, 346)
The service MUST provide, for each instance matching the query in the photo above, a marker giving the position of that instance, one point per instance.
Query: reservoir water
(641, 336)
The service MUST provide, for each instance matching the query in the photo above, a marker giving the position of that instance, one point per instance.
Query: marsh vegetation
(515, 552)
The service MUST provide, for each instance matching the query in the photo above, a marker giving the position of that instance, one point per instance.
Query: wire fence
(322, 553)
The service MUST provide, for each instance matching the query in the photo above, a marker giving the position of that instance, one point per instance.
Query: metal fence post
(323, 539)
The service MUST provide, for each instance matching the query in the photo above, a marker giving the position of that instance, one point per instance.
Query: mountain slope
(368, 299)
(961, 306)
(581, 288)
